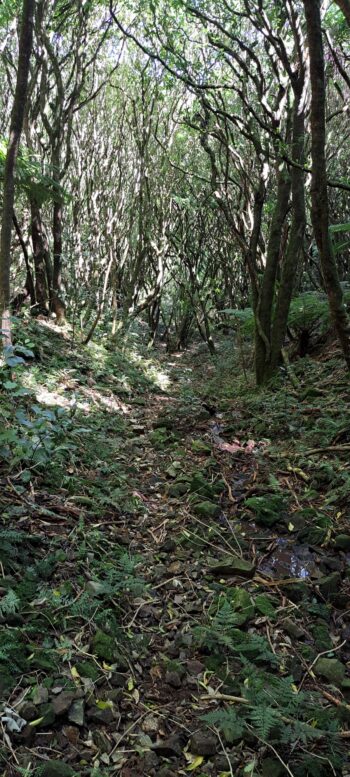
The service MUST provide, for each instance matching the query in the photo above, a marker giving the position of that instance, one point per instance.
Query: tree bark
(319, 192)
(16, 125)
(40, 250)
(344, 5)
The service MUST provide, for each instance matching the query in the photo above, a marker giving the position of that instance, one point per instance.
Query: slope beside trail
(180, 575)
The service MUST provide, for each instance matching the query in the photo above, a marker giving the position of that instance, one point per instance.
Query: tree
(319, 191)
(16, 125)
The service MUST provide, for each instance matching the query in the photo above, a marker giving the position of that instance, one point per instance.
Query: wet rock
(330, 584)
(207, 510)
(342, 542)
(332, 669)
(233, 566)
(76, 712)
(62, 702)
(55, 769)
(203, 743)
(40, 695)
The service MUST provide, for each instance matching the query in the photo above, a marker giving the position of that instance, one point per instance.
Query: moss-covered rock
(332, 669)
(233, 566)
(56, 769)
(207, 510)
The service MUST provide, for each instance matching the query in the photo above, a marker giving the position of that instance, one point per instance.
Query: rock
(329, 584)
(151, 724)
(95, 588)
(48, 714)
(168, 747)
(40, 695)
(76, 712)
(26, 736)
(332, 669)
(29, 711)
(233, 566)
(149, 761)
(173, 678)
(195, 667)
(101, 741)
(118, 680)
(168, 546)
(105, 648)
(55, 769)
(176, 490)
(96, 715)
(271, 767)
(203, 743)
(62, 702)
(88, 669)
(71, 733)
(342, 542)
(293, 629)
(207, 510)
(198, 446)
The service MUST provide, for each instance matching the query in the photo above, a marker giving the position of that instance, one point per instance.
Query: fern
(264, 719)
(9, 604)
(227, 721)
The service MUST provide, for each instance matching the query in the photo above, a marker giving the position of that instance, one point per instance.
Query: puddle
(290, 560)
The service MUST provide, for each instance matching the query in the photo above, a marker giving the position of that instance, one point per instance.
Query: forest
(174, 388)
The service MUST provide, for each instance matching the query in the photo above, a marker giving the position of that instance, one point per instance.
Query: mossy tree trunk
(16, 125)
(319, 192)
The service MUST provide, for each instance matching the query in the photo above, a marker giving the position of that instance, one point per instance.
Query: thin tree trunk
(16, 125)
(319, 192)
(40, 249)
(56, 301)
(263, 312)
(29, 289)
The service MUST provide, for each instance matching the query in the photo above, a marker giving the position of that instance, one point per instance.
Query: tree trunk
(263, 312)
(57, 303)
(16, 124)
(296, 238)
(29, 289)
(41, 260)
(319, 192)
(344, 5)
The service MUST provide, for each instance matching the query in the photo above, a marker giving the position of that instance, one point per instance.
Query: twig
(327, 449)
(217, 732)
(324, 653)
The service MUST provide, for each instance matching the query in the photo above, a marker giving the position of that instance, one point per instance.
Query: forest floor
(175, 590)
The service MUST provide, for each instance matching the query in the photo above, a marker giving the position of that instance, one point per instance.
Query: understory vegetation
(174, 388)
